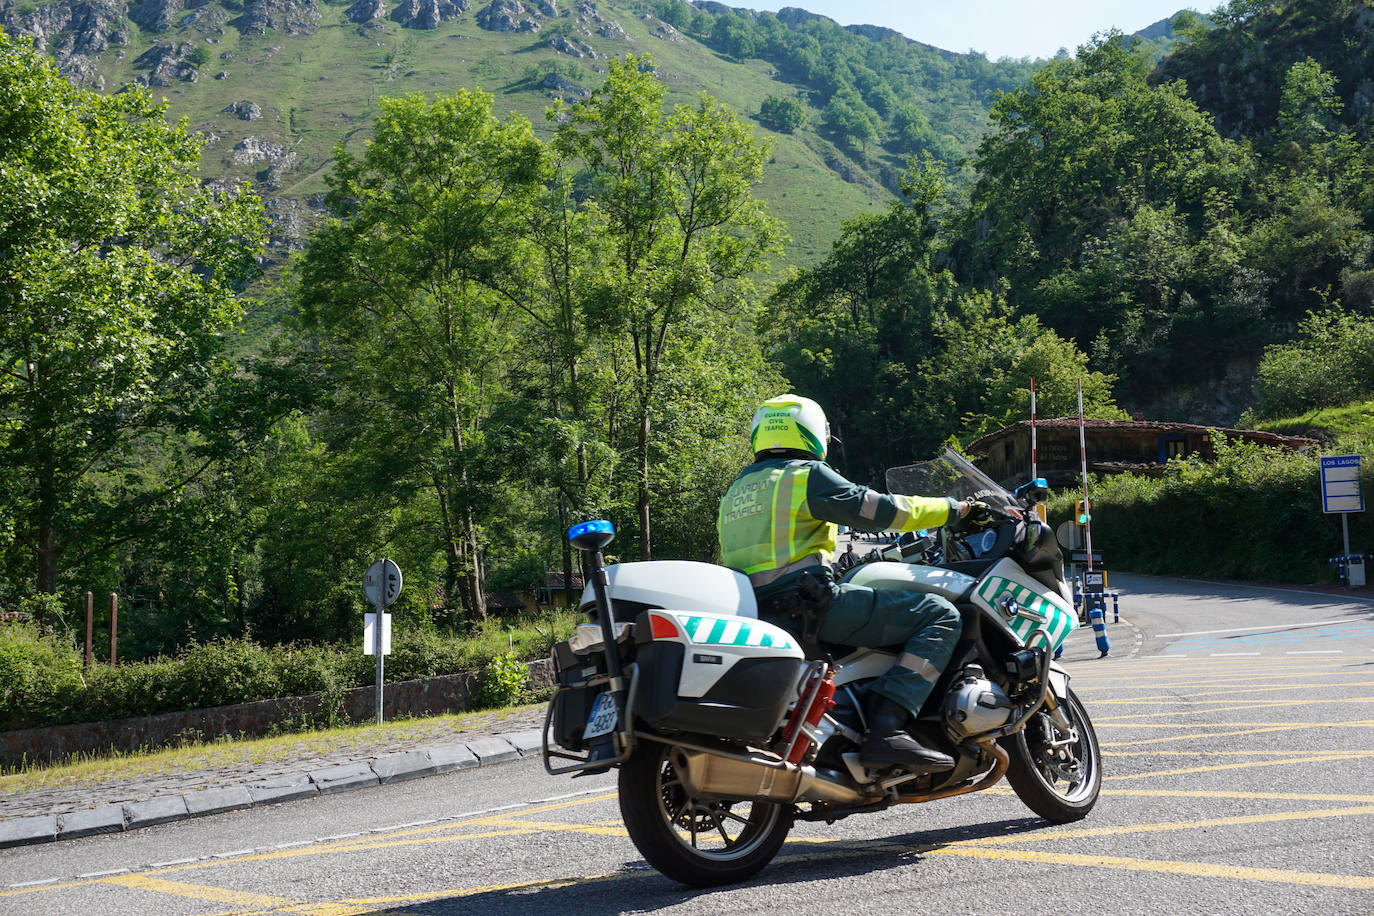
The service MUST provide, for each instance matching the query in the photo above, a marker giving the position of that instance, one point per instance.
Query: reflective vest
(780, 515)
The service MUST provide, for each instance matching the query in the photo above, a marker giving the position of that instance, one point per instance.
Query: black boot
(888, 744)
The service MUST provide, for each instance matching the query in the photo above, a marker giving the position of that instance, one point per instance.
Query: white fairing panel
(1007, 579)
(716, 642)
(912, 577)
(683, 585)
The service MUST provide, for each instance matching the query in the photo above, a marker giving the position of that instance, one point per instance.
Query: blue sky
(998, 28)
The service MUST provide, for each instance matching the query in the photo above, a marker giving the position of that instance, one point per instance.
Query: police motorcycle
(726, 731)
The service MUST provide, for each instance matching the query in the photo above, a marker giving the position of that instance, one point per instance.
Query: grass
(228, 753)
(323, 89)
(1328, 424)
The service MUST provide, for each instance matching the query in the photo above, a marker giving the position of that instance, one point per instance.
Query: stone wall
(423, 697)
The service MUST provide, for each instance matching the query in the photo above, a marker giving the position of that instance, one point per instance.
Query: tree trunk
(476, 579)
(645, 546)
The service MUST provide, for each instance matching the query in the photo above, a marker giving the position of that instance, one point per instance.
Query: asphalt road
(1238, 731)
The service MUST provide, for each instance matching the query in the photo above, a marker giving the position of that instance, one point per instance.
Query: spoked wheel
(1057, 776)
(699, 842)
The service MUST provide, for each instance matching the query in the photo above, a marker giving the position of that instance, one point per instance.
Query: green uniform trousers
(925, 627)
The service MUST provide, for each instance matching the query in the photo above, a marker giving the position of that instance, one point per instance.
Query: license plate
(603, 718)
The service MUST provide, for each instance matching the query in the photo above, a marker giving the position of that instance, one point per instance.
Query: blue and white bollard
(1096, 606)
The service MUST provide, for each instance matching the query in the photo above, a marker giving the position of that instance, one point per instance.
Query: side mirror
(591, 535)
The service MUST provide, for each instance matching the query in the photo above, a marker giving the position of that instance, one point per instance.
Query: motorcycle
(726, 732)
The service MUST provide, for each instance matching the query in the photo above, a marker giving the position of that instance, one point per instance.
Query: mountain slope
(274, 84)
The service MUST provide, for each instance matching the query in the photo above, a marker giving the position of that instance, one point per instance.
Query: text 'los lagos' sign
(1341, 484)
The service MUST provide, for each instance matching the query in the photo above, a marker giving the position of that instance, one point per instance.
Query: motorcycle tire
(698, 842)
(1059, 784)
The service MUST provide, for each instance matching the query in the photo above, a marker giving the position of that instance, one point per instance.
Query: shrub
(1253, 514)
(503, 681)
(40, 675)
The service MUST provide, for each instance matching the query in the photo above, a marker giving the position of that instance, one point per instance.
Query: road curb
(383, 769)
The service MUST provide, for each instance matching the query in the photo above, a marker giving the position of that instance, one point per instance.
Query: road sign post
(382, 586)
(1341, 493)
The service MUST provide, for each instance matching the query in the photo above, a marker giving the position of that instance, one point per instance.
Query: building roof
(981, 445)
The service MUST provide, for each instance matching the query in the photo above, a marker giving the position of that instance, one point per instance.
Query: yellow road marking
(555, 826)
(1354, 723)
(1309, 758)
(1165, 826)
(1248, 731)
(200, 892)
(1211, 710)
(1173, 698)
(1190, 753)
(1251, 796)
(1191, 869)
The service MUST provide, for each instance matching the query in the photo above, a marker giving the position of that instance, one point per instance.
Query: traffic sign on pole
(382, 586)
(1341, 484)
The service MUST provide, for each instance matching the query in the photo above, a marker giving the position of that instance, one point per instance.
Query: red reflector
(663, 627)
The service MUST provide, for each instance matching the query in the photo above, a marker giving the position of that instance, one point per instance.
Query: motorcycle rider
(778, 525)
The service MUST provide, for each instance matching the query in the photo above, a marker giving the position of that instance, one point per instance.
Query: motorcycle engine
(975, 704)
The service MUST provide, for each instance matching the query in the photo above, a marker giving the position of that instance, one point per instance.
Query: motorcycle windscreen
(1006, 578)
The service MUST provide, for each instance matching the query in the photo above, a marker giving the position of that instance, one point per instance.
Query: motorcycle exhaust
(753, 776)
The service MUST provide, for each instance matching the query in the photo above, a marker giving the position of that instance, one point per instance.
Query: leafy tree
(1309, 105)
(675, 209)
(854, 331)
(846, 115)
(785, 114)
(1329, 364)
(406, 289)
(121, 279)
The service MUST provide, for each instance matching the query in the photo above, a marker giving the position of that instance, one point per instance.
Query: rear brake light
(663, 627)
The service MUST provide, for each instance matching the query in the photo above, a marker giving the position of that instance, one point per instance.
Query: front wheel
(1057, 776)
(699, 842)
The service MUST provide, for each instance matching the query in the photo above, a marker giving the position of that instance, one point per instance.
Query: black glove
(980, 515)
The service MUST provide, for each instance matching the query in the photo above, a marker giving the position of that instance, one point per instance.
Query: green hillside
(274, 85)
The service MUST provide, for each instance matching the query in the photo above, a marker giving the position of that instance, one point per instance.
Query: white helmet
(790, 422)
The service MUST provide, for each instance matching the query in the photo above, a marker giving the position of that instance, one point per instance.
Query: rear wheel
(699, 842)
(1057, 776)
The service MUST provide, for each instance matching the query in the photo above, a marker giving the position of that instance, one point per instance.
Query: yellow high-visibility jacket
(781, 515)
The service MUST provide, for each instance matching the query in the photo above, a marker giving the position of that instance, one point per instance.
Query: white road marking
(1283, 626)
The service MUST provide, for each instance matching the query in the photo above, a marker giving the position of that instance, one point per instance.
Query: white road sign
(1341, 484)
(382, 583)
(370, 635)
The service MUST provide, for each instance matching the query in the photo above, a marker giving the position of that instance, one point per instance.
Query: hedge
(1254, 514)
(42, 682)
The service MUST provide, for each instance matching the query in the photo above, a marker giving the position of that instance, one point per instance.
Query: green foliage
(1330, 363)
(785, 114)
(1254, 515)
(503, 681)
(38, 674)
(42, 683)
(121, 278)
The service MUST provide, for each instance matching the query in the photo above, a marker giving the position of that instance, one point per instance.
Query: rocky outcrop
(167, 64)
(155, 15)
(246, 111)
(560, 87)
(572, 47)
(509, 16)
(365, 11)
(660, 29)
(72, 31)
(256, 149)
(208, 19)
(295, 17)
(427, 14)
